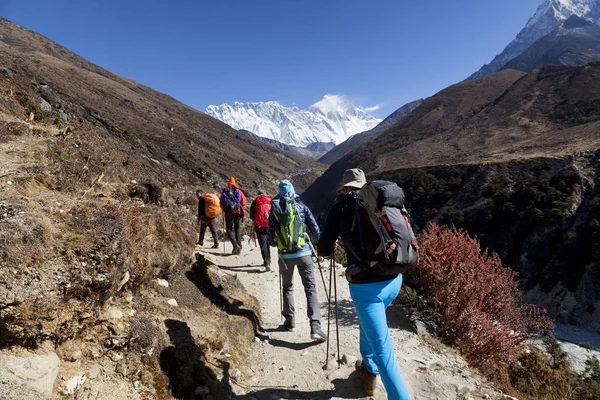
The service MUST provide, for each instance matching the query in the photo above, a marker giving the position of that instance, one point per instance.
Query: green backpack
(290, 229)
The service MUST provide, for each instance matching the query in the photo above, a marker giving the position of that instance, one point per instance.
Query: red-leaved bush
(474, 299)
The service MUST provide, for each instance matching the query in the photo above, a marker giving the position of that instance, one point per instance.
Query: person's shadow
(343, 388)
(183, 364)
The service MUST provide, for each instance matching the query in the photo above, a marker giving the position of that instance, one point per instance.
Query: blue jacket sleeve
(311, 224)
(331, 231)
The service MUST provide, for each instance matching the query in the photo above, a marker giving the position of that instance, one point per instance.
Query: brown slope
(173, 143)
(439, 113)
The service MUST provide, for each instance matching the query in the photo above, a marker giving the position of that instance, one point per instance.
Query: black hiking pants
(209, 223)
(232, 225)
(265, 251)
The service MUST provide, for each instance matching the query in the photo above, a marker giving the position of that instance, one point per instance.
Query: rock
(236, 374)
(172, 302)
(5, 72)
(71, 350)
(162, 282)
(256, 339)
(123, 281)
(116, 357)
(113, 314)
(19, 128)
(486, 396)
(34, 371)
(129, 297)
(44, 105)
(137, 385)
(94, 372)
(121, 368)
(74, 385)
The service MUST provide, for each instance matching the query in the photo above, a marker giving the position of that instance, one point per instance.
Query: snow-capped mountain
(549, 15)
(332, 119)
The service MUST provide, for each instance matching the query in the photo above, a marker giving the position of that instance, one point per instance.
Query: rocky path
(289, 365)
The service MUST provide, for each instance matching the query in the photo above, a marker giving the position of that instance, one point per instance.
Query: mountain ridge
(332, 119)
(548, 16)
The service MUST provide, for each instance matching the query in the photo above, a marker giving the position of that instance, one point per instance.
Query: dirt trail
(289, 365)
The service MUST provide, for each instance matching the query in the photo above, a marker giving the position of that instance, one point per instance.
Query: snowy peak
(332, 119)
(548, 16)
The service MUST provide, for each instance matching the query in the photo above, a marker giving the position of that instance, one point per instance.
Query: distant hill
(312, 152)
(356, 141)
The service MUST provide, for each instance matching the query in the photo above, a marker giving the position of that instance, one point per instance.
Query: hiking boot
(289, 324)
(215, 246)
(267, 268)
(316, 333)
(369, 381)
(199, 243)
(236, 250)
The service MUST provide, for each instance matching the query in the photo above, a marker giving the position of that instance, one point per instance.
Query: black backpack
(232, 199)
(387, 240)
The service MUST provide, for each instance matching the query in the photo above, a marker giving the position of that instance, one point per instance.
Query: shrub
(474, 299)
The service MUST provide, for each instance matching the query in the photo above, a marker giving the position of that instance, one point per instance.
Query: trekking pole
(280, 297)
(337, 327)
(318, 263)
(326, 366)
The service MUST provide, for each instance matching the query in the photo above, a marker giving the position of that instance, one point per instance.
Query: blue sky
(375, 52)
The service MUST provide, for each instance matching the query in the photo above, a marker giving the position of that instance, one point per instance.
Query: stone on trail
(74, 384)
(172, 302)
(162, 282)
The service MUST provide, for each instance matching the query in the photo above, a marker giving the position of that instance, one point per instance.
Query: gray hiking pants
(307, 275)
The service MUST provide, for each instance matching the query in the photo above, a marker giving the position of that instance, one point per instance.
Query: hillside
(97, 180)
(516, 143)
(358, 140)
(141, 124)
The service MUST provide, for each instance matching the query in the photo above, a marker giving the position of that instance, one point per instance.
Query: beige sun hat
(354, 177)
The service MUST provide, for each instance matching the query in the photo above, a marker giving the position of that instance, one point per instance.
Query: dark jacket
(339, 224)
(201, 208)
(311, 227)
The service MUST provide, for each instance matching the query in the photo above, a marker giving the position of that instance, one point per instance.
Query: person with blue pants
(371, 291)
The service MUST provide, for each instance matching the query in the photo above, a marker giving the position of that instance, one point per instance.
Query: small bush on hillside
(548, 375)
(474, 299)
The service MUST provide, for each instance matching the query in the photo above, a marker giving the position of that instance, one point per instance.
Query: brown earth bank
(511, 157)
(97, 179)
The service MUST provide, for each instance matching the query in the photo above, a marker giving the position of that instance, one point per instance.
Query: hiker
(233, 202)
(259, 213)
(371, 290)
(208, 210)
(287, 226)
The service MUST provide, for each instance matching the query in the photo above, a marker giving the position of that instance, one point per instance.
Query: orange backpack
(212, 207)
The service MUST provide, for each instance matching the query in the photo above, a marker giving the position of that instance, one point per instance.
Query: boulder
(35, 371)
(44, 105)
